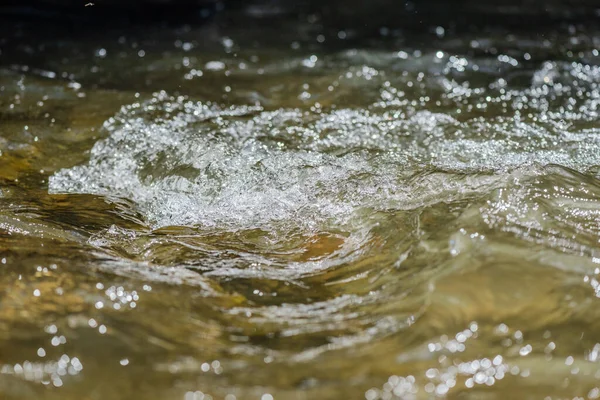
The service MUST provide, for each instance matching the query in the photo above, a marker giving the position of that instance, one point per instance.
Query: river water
(283, 211)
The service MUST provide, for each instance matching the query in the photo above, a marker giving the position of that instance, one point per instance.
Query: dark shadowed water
(282, 211)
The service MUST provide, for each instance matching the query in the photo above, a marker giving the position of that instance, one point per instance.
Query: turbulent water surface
(247, 214)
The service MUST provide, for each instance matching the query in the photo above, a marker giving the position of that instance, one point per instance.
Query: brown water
(267, 213)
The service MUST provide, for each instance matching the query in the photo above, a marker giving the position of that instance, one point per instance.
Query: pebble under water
(206, 213)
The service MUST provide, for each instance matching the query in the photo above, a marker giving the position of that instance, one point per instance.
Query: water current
(209, 213)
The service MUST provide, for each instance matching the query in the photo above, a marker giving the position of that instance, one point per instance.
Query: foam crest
(185, 162)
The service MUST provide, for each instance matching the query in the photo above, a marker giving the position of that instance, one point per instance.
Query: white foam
(191, 163)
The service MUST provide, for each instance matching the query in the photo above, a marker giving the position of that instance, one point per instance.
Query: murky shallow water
(207, 213)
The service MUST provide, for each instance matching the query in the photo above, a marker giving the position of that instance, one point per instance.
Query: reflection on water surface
(222, 213)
